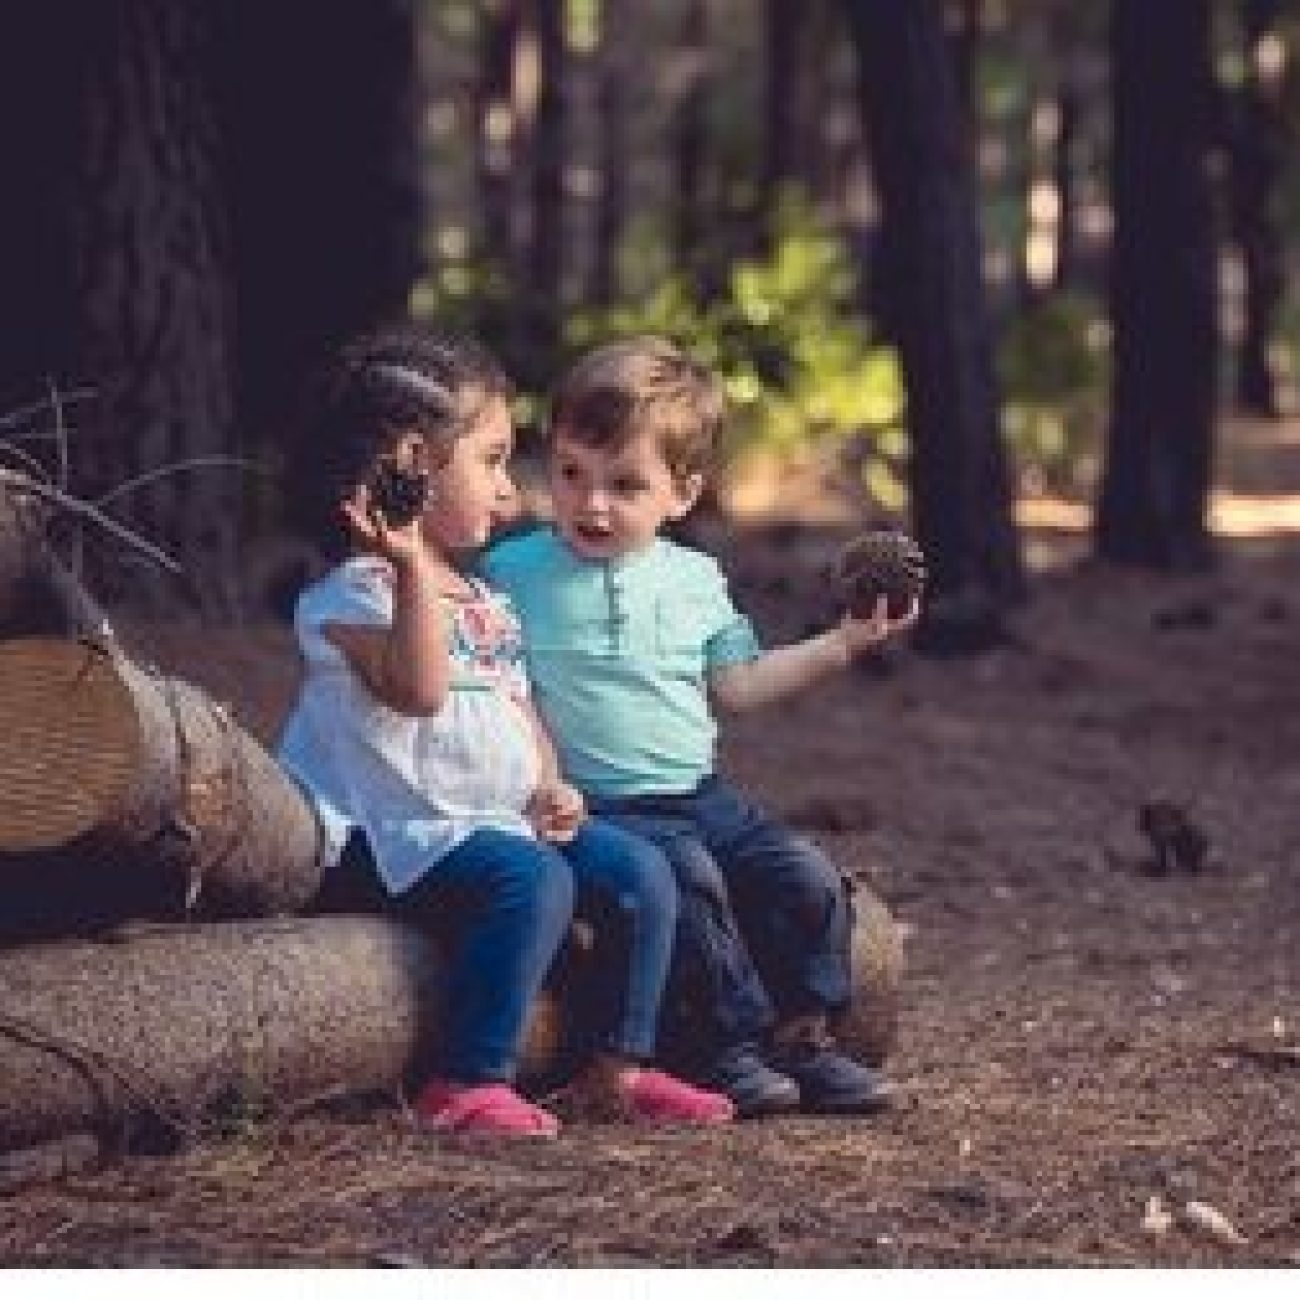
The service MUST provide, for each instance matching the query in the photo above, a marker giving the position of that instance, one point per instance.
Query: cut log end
(69, 742)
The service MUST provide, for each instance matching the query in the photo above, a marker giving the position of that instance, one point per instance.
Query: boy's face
(474, 489)
(610, 503)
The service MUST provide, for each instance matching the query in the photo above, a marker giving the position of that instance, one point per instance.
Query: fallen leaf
(1200, 1214)
(1156, 1219)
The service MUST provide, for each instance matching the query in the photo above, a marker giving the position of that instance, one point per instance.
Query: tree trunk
(611, 107)
(127, 794)
(38, 141)
(1258, 151)
(688, 136)
(496, 131)
(930, 243)
(323, 104)
(1155, 487)
(785, 24)
(151, 244)
(546, 247)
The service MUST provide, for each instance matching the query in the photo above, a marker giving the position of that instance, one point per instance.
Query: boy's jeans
(764, 924)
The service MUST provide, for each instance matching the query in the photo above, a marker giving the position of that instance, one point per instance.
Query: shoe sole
(761, 1107)
(871, 1105)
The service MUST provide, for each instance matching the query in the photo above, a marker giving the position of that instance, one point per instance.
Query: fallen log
(176, 1028)
(871, 1023)
(180, 1026)
(127, 794)
(38, 594)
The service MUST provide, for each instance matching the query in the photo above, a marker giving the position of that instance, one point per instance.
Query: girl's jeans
(505, 903)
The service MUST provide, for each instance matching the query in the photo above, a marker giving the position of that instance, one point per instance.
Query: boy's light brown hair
(642, 385)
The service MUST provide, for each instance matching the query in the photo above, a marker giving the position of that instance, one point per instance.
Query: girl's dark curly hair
(373, 391)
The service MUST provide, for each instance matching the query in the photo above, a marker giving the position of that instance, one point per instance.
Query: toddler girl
(415, 737)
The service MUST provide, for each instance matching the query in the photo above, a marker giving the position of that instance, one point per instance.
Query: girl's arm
(407, 665)
(788, 669)
(557, 809)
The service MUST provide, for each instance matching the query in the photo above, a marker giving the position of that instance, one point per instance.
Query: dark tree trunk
(689, 136)
(323, 102)
(967, 38)
(1152, 509)
(611, 108)
(1258, 148)
(197, 197)
(116, 256)
(494, 149)
(784, 26)
(1063, 175)
(154, 272)
(546, 247)
(39, 78)
(931, 246)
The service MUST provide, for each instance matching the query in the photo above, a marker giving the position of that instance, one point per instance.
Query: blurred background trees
(947, 256)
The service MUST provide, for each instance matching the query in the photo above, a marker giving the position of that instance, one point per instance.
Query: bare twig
(31, 464)
(74, 505)
(12, 419)
(164, 471)
(60, 433)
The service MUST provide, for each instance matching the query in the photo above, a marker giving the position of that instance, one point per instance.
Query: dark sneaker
(831, 1083)
(753, 1086)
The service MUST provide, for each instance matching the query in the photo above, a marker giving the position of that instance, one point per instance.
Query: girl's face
(473, 490)
(611, 503)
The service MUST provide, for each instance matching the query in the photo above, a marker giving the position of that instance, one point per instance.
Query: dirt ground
(1078, 1035)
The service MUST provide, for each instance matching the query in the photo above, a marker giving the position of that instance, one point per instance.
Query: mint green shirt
(618, 652)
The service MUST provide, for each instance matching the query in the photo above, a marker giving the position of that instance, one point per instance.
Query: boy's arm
(788, 669)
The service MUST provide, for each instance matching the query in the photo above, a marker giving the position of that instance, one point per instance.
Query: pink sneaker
(484, 1108)
(655, 1097)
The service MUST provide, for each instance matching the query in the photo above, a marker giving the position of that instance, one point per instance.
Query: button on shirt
(619, 652)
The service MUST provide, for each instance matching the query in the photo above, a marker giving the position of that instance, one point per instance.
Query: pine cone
(398, 494)
(882, 562)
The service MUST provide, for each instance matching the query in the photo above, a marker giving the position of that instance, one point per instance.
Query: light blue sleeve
(505, 565)
(730, 636)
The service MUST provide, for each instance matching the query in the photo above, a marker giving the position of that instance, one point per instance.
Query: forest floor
(1078, 1034)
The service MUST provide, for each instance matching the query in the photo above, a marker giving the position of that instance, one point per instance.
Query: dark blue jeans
(764, 924)
(504, 903)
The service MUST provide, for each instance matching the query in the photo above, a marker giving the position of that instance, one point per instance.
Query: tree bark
(1257, 152)
(126, 794)
(172, 1026)
(152, 250)
(495, 150)
(612, 108)
(688, 136)
(546, 247)
(1163, 292)
(931, 249)
(323, 105)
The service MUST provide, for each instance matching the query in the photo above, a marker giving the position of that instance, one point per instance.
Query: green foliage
(785, 335)
(1054, 370)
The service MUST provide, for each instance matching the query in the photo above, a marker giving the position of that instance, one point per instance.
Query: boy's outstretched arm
(789, 669)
